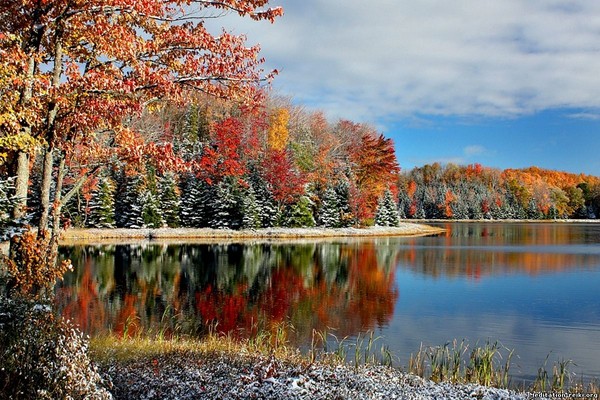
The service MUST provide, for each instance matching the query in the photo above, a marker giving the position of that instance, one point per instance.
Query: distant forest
(209, 163)
(477, 192)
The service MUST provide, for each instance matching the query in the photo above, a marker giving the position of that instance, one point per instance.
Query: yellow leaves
(278, 133)
(12, 143)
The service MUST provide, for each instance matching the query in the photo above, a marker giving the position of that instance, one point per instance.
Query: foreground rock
(193, 376)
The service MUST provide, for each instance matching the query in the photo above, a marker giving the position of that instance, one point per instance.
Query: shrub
(42, 356)
(33, 269)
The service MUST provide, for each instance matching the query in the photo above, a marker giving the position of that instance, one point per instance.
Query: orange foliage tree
(73, 71)
(376, 168)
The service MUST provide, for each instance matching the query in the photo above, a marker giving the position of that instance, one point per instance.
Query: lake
(532, 287)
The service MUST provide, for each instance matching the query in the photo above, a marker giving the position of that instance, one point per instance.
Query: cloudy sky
(508, 83)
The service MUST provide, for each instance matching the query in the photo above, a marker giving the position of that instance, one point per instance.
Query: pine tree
(150, 203)
(329, 214)
(102, 205)
(300, 214)
(193, 205)
(151, 214)
(267, 207)
(533, 211)
(8, 226)
(403, 204)
(225, 206)
(251, 215)
(386, 213)
(169, 199)
(342, 190)
(128, 204)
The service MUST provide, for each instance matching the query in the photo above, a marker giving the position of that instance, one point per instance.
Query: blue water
(532, 287)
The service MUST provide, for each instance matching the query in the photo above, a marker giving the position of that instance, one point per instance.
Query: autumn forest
(103, 126)
(208, 163)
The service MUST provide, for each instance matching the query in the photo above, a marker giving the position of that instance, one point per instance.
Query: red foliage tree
(223, 157)
(79, 68)
(285, 180)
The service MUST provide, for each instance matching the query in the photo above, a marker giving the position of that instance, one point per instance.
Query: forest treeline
(209, 163)
(477, 192)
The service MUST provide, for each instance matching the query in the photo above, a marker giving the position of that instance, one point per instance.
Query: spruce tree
(150, 203)
(128, 204)
(387, 211)
(342, 190)
(151, 214)
(267, 206)
(251, 216)
(300, 214)
(102, 205)
(225, 205)
(9, 227)
(329, 214)
(169, 199)
(192, 207)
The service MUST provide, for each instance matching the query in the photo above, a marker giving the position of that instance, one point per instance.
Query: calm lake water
(532, 287)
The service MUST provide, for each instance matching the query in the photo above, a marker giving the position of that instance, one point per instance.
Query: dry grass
(444, 363)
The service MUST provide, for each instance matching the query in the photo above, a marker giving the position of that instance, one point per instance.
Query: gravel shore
(194, 376)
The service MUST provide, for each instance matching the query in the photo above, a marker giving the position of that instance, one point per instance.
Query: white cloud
(400, 58)
(474, 150)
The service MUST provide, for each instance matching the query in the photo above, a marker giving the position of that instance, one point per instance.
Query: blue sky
(508, 83)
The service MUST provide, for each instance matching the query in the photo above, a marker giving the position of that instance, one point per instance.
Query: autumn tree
(376, 168)
(278, 130)
(72, 72)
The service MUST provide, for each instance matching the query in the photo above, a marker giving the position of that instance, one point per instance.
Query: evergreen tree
(342, 190)
(300, 214)
(533, 211)
(403, 204)
(267, 207)
(8, 226)
(251, 215)
(151, 214)
(329, 214)
(169, 199)
(128, 204)
(150, 203)
(225, 203)
(386, 213)
(102, 205)
(193, 209)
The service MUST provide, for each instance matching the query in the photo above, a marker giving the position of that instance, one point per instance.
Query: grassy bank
(455, 362)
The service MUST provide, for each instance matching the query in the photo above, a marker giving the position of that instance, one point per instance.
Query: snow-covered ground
(195, 376)
(404, 229)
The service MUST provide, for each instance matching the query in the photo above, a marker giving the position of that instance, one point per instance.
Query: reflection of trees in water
(478, 250)
(347, 286)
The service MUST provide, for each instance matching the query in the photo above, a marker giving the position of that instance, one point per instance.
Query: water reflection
(480, 250)
(533, 287)
(124, 288)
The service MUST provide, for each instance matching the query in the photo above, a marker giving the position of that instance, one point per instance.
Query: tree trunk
(45, 189)
(50, 137)
(22, 182)
(21, 185)
(58, 203)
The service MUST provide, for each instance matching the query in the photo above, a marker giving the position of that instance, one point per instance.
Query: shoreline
(208, 234)
(185, 374)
